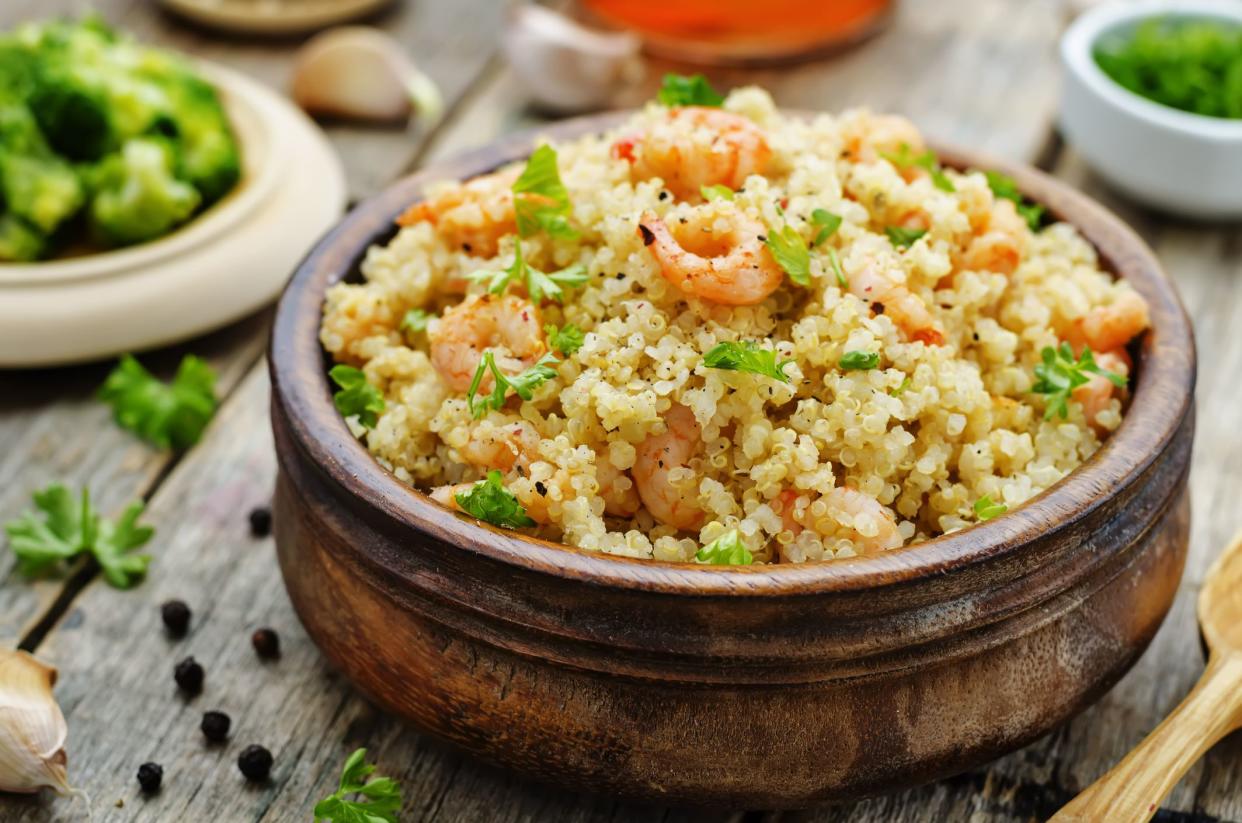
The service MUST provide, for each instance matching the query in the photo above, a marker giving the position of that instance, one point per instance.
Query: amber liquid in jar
(745, 30)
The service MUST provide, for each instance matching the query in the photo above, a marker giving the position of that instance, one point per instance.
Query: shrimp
(1095, 394)
(733, 267)
(473, 215)
(907, 309)
(619, 492)
(1111, 327)
(868, 136)
(446, 496)
(1001, 244)
(842, 512)
(503, 447)
(660, 454)
(697, 147)
(508, 324)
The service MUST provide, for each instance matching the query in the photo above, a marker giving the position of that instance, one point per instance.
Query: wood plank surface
(983, 75)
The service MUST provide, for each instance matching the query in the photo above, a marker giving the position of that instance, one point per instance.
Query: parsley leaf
(566, 340)
(985, 509)
(726, 550)
(169, 416)
(859, 360)
(523, 383)
(538, 285)
(903, 238)
(1004, 187)
(928, 161)
(489, 500)
(1059, 374)
(540, 199)
(834, 263)
(72, 527)
(900, 390)
(716, 192)
(356, 396)
(381, 796)
(746, 356)
(828, 224)
(679, 90)
(789, 251)
(415, 321)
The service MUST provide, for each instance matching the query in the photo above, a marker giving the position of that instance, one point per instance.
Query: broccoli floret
(136, 195)
(20, 241)
(72, 116)
(44, 191)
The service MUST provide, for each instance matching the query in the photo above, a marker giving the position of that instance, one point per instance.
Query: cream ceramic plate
(227, 262)
(274, 16)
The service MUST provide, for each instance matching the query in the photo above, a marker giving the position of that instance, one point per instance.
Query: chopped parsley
(415, 321)
(540, 199)
(680, 90)
(1004, 187)
(900, 390)
(539, 286)
(746, 356)
(790, 253)
(726, 550)
(567, 340)
(716, 192)
(985, 509)
(380, 797)
(834, 263)
(903, 238)
(71, 527)
(859, 360)
(827, 224)
(356, 396)
(490, 501)
(523, 383)
(168, 415)
(928, 161)
(1060, 373)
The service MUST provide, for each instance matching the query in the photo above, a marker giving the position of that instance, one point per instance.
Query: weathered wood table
(981, 73)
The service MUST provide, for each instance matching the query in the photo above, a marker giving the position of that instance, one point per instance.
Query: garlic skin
(32, 727)
(361, 73)
(567, 67)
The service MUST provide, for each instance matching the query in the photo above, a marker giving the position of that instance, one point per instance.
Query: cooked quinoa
(941, 423)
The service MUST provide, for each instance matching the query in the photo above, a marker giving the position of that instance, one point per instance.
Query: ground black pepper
(266, 643)
(150, 775)
(260, 521)
(189, 676)
(255, 763)
(176, 616)
(215, 726)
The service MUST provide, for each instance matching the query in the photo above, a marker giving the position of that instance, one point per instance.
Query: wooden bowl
(757, 687)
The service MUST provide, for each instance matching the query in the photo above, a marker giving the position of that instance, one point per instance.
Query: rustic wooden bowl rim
(1161, 399)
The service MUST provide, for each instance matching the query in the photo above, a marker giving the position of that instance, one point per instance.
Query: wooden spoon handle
(1134, 788)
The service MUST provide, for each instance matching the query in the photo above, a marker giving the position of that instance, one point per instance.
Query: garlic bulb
(32, 728)
(565, 66)
(361, 73)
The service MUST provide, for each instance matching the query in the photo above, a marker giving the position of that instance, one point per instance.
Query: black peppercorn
(150, 775)
(176, 616)
(266, 643)
(255, 763)
(215, 726)
(189, 676)
(260, 521)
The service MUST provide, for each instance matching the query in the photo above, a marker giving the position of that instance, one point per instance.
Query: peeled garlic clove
(361, 73)
(565, 66)
(32, 728)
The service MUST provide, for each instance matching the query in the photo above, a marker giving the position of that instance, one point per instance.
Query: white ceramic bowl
(225, 263)
(1173, 160)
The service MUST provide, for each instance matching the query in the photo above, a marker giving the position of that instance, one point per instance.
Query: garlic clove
(565, 66)
(32, 727)
(360, 73)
